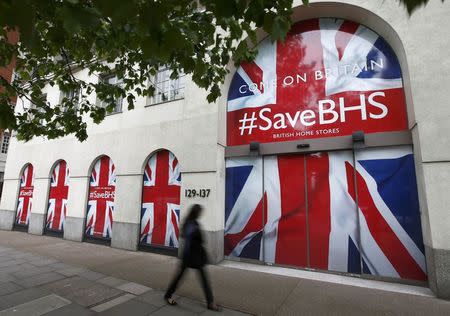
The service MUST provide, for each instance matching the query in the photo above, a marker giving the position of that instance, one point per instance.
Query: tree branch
(66, 58)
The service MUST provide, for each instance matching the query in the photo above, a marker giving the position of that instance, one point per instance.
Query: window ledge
(113, 113)
(163, 102)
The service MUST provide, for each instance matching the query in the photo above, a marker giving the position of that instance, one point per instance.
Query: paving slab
(14, 268)
(40, 279)
(191, 305)
(112, 281)
(21, 255)
(71, 310)
(155, 298)
(4, 258)
(61, 265)
(93, 295)
(9, 287)
(132, 307)
(43, 261)
(11, 262)
(31, 271)
(6, 277)
(172, 311)
(114, 302)
(70, 285)
(91, 275)
(71, 271)
(224, 312)
(36, 307)
(22, 296)
(133, 288)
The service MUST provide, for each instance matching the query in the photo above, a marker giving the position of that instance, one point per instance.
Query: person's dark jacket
(194, 255)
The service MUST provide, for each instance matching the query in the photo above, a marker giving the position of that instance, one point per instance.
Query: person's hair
(194, 213)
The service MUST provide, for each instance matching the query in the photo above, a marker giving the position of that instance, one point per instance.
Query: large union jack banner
(160, 213)
(102, 190)
(24, 202)
(329, 77)
(303, 210)
(57, 198)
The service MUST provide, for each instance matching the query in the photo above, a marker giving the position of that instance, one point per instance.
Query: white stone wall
(186, 127)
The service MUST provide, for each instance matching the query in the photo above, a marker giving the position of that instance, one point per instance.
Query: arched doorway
(57, 198)
(160, 211)
(319, 196)
(100, 208)
(24, 201)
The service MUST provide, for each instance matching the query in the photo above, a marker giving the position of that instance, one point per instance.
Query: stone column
(39, 206)
(8, 203)
(127, 210)
(76, 208)
(432, 154)
(212, 218)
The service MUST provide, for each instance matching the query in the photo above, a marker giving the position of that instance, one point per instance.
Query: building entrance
(346, 211)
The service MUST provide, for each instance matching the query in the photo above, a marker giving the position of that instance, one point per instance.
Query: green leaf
(7, 118)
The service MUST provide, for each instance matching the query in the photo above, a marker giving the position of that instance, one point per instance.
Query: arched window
(100, 209)
(24, 202)
(160, 211)
(57, 197)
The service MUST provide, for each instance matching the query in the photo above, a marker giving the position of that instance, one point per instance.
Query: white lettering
(318, 75)
(280, 123)
(265, 119)
(356, 69)
(330, 110)
(381, 106)
(285, 80)
(307, 115)
(361, 107)
(299, 77)
(241, 90)
(253, 87)
(293, 121)
(373, 63)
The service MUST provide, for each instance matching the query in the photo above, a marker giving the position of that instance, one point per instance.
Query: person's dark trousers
(204, 279)
(206, 286)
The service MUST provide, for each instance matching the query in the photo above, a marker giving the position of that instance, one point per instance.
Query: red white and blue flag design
(160, 213)
(308, 213)
(57, 199)
(329, 77)
(102, 190)
(24, 202)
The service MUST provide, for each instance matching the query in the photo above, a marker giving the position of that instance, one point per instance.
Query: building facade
(7, 73)
(330, 152)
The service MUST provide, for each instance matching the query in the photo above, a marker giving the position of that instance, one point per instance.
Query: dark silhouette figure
(194, 256)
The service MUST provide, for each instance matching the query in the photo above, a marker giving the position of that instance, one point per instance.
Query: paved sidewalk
(74, 278)
(34, 285)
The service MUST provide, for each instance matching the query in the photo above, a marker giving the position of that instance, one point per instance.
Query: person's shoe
(170, 301)
(214, 307)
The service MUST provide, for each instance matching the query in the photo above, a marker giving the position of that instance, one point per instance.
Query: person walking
(194, 256)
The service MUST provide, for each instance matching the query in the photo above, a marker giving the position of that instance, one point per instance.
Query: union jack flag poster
(160, 213)
(303, 210)
(24, 202)
(102, 190)
(57, 198)
(329, 77)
